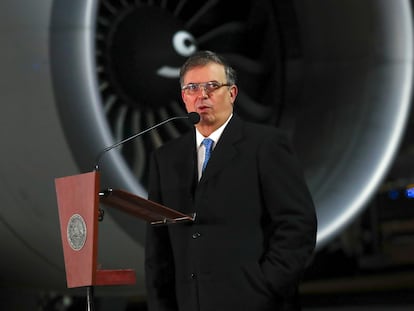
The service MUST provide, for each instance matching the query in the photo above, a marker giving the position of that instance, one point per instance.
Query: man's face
(214, 106)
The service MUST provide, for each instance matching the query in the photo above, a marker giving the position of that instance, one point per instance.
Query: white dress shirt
(201, 150)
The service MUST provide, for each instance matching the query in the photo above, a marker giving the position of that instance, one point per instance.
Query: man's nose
(203, 92)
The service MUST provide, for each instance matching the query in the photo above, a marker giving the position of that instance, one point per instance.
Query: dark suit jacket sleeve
(291, 213)
(159, 263)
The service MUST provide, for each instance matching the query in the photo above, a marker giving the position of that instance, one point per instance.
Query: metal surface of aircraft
(78, 76)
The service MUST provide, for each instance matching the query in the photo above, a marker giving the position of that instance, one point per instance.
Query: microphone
(194, 118)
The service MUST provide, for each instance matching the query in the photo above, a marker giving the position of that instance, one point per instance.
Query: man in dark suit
(255, 228)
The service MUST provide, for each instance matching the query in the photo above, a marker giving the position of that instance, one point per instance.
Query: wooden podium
(78, 198)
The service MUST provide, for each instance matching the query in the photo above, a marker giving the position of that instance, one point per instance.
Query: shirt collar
(214, 136)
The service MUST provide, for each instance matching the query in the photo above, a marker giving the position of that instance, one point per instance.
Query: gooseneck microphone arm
(194, 117)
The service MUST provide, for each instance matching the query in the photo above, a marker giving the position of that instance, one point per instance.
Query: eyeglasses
(209, 87)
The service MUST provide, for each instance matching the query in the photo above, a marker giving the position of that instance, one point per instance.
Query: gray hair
(202, 58)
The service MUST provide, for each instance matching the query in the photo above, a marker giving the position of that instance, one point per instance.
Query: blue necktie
(208, 143)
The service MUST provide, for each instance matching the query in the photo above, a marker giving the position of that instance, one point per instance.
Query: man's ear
(233, 92)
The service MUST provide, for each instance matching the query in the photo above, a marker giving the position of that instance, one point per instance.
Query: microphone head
(194, 117)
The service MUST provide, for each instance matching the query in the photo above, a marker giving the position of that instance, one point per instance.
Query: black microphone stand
(90, 306)
(192, 116)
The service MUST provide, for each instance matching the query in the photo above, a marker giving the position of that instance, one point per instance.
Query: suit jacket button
(196, 235)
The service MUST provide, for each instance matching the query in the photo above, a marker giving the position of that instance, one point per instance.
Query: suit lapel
(225, 149)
